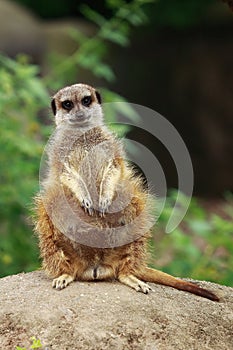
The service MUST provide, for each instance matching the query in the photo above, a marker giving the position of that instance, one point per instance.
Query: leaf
(36, 343)
(135, 18)
(200, 227)
(121, 108)
(92, 15)
(115, 4)
(119, 129)
(77, 35)
(104, 71)
(115, 36)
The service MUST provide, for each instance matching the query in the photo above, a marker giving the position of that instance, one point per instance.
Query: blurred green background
(172, 56)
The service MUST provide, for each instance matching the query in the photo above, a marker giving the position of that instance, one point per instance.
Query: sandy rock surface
(108, 315)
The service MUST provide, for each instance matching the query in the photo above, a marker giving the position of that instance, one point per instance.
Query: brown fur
(93, 215)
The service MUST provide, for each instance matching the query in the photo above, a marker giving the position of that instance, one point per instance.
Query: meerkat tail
(155, 276)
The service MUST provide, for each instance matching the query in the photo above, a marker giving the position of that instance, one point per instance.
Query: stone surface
(108, 315)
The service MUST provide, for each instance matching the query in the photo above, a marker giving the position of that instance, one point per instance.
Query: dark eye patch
(67, 104)
(53, 106)
(98, 96)
(86, 101)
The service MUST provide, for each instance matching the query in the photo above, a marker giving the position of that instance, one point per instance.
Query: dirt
(108, 315)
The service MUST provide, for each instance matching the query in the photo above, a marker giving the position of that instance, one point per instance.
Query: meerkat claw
(88, 206)
(144, 288)
(101, 213)
(104, 204)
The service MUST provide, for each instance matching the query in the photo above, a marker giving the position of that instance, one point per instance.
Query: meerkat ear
(53, 106)
(98, 96)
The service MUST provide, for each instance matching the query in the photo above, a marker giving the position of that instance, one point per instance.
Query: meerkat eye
(86, 101)
(67, 104)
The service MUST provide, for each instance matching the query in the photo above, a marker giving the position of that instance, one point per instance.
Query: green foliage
(201, 247)
(70, 8)
(22, 95)
(92, 52)
(174, 13)
(36, 344)
(180, 14)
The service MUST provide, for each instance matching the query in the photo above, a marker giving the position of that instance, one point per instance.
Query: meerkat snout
(77, 105)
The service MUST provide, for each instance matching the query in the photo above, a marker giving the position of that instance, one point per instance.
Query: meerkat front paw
(62, 281)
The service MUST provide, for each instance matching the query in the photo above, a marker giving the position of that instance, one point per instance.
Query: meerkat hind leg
(135, 283)
(62, 281)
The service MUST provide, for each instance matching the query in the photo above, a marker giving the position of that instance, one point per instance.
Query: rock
(109, 315)
(23, 32)
(20, 31)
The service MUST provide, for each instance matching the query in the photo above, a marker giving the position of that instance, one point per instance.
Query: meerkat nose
(79, 114)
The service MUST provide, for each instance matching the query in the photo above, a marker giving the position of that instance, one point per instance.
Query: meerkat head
(78, 105)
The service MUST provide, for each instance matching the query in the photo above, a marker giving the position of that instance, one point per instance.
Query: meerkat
(93, 215)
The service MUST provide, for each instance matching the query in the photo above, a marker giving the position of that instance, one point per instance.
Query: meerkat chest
(91, 160)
